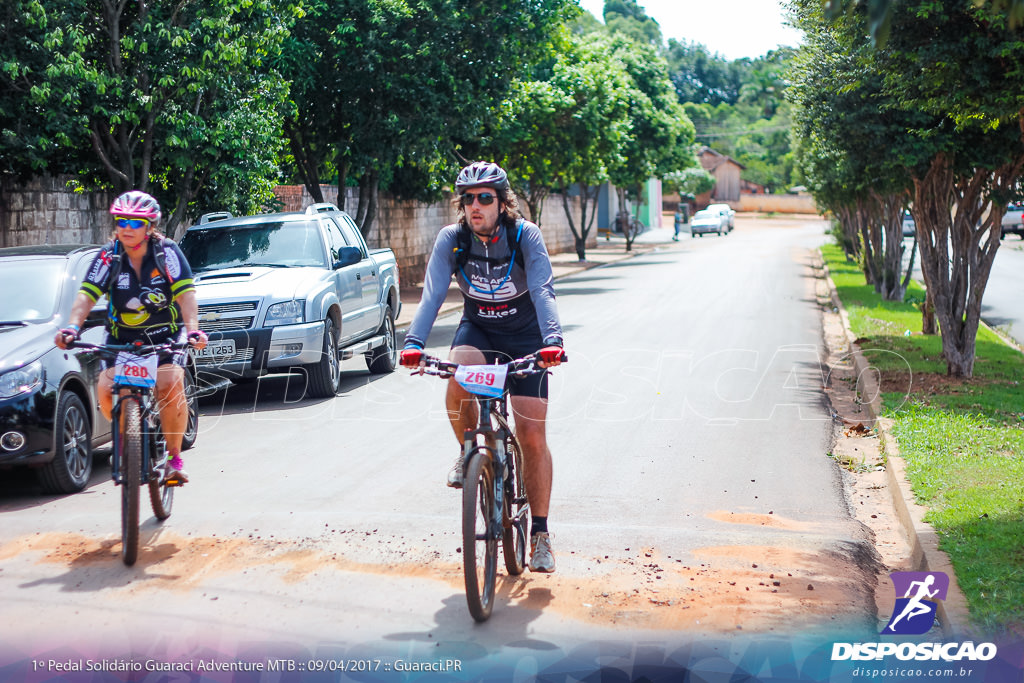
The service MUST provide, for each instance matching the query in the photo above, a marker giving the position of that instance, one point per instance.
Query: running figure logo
(914, 613)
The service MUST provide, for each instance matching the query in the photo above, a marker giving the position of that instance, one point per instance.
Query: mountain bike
(140, 450)
(494, 501)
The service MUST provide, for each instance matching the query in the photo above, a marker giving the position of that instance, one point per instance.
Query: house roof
(710, 159)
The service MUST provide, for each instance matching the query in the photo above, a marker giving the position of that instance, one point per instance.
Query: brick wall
(777, 203)
(46, 212)
(409, 228)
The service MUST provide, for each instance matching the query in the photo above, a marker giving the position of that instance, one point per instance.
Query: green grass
(963, 442)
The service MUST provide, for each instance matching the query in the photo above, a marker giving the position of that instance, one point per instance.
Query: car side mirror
(348, 256)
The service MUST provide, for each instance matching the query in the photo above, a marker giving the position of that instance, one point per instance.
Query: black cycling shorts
(178, 357)
(502, 347)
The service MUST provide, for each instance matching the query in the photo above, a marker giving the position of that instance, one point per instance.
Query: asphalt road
(1001, 307)
(694, 511)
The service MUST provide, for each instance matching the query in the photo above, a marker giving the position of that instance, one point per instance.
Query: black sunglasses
(486, 198)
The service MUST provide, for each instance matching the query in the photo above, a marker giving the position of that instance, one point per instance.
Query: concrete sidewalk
(607, 250)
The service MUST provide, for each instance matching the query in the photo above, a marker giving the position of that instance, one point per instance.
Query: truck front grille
(231, 316)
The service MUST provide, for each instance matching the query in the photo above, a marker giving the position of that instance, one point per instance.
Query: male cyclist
(151, 298)
(504, 272)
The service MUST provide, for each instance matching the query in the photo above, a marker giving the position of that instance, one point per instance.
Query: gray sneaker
(456, 474)
(541, 558)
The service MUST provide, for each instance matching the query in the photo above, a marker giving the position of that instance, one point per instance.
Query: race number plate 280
(483, 380)
(135, 371)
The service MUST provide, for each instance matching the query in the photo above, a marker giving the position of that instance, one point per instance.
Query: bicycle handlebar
(137, 348)
(519, 367)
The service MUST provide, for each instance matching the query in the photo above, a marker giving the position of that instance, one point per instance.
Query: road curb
(953, 614)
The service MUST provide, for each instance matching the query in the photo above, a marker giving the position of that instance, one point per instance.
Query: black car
(49, 416)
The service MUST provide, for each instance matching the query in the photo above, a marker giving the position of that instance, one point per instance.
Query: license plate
(217, 350)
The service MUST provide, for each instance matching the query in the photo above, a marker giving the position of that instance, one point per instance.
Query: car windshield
(33, 286)
(264, 244)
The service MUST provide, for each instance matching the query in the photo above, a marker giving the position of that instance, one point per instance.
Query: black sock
(538, 525)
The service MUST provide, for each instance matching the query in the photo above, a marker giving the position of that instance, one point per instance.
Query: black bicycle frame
(499, 408)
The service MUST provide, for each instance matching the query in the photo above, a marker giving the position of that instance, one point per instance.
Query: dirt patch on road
(723, 590)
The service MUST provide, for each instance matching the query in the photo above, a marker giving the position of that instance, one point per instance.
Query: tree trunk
(343, 169)
(534, 199)
(588, 195)
(958, 248)
(306, 166)
(870, 243)
(366, 212)
(847, 235)
(893, 286)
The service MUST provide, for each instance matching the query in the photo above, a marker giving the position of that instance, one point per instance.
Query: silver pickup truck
(288, 291)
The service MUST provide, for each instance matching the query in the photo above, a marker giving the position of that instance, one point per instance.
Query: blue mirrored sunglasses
(133, 223)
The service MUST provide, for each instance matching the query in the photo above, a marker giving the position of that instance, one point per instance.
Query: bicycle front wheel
(131, 466)
(517, 511)
(479, 539)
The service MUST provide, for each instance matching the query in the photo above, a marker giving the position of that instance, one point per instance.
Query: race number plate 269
(135, 371)
(483, 380)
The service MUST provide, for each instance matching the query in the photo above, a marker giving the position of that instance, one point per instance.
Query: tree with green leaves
(32, 140)
(956, 66)
(627, 17)
(702, 77)
(689, 182)
(660, 139)
(410, 82)
(880, 13)
(563, 130)
(853, 153)
(145, 87)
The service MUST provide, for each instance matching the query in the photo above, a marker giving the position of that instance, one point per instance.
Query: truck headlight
(24, 380)
(286, 313)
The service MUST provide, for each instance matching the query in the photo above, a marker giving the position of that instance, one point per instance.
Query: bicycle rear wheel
(479, 540)
(131, 465)
(161, 496)
(517, 511)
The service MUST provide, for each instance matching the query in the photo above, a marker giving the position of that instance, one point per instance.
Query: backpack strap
(157, 246)
(464, 241)
(161, 259)
(514, 236)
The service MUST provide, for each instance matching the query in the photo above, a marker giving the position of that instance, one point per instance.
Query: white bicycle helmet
(136, 204)
(482, 174)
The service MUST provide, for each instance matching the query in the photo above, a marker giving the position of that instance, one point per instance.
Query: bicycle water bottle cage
(482, 380)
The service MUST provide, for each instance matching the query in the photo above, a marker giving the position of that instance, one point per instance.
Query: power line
(737, 133)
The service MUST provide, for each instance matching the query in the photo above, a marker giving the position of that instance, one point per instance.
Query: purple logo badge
(917, 599)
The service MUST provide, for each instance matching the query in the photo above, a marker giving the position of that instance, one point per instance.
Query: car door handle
(359, 276)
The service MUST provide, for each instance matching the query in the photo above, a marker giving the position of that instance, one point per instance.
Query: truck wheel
(71, 467)
(384, 359)
(325, 375)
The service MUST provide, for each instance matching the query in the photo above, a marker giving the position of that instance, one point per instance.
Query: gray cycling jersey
(495, 298)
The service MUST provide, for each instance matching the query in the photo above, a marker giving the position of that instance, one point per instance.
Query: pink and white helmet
(136, 204)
